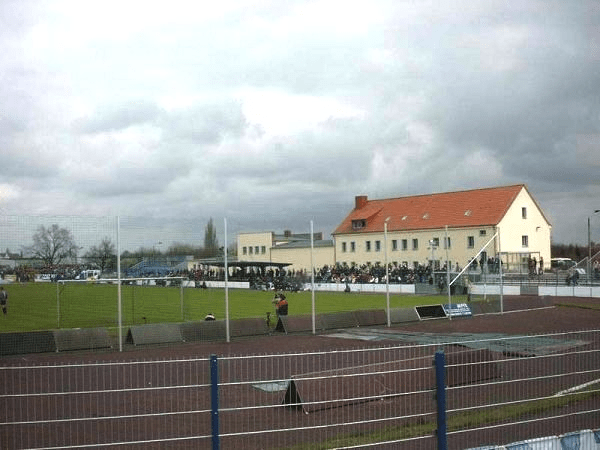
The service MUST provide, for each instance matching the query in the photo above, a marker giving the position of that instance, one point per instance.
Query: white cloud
(281, 113)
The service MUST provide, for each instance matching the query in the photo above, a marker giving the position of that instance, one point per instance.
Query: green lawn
(45, 306)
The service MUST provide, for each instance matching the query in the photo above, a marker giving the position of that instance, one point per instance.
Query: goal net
(478, 285)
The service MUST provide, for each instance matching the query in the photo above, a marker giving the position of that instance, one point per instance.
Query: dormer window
(359, 224)
(468, 212)
(426, 216)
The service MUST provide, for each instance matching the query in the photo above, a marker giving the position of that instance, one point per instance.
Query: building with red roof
(453, 226)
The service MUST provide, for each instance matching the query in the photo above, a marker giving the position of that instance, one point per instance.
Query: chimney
(360, 201)
(287, 233)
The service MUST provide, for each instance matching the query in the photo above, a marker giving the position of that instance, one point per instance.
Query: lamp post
(589, 261)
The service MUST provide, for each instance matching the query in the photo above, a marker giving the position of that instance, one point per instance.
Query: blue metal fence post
(440, 395)
(214, 401)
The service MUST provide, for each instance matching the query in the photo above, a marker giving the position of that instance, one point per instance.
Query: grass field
(46, 306)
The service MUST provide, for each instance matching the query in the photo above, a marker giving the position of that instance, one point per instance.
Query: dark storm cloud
(128, 182)
(280, 112)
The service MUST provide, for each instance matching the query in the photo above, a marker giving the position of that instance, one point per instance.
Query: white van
(561, 263)
(92, 274)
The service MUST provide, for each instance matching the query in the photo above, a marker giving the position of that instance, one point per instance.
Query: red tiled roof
(478, 207)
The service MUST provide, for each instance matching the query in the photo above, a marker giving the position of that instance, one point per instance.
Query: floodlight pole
(500, 272)
(119, 298)
(448, 274)
(226, 283)
(589, 261)
(387, 273)
(312, 280)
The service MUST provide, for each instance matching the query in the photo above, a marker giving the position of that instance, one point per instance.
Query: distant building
(424, 229)
(294, 249)
(8, 259)
(421, 230)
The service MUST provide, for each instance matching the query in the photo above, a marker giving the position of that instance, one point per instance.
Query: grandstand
(156, 267)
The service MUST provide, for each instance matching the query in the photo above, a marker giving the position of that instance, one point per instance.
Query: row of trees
(55, 245)
(575, 252)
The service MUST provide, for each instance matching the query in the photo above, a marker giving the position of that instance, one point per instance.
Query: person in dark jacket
(281, 305)
(4, 300)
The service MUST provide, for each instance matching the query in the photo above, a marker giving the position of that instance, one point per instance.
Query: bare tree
(53, 245)
(103, 255)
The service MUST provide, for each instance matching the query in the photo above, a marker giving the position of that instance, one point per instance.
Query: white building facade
(419, 230)
(454, 227)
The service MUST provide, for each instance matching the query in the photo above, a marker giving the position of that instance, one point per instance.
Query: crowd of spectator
(280, 278)
(289, 279)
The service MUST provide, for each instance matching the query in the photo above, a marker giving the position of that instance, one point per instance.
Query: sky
(267, 115)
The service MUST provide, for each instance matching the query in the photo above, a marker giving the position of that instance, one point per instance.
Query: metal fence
(432, 393)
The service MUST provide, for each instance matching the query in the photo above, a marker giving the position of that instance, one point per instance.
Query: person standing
(3, 300)
(281, 305)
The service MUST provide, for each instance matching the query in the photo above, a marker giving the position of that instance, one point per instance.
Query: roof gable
(479, 207)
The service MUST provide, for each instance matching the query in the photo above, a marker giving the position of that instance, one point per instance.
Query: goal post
(472, 285)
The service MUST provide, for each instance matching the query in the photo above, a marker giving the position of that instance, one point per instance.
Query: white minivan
(561, 263)
(92, 274)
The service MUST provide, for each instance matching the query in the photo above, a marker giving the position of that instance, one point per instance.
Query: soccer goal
(94, 302)
(479, 284)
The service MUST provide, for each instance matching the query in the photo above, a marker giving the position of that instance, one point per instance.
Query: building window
(244, 250)
(256, 249)
(352, 246)
(343, 247)
(524, 212)
(394, 244)
(482, 233)
(368, 246)
(249, 250)
(359, 224)
(263, 249)
(524, 241)
(470, 241)
(377, 246)
(415, 244)
(404, 244)
(448, 243)
(435, 242)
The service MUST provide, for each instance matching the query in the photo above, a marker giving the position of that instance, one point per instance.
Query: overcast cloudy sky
(275, 113)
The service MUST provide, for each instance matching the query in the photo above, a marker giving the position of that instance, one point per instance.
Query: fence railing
(457, 393)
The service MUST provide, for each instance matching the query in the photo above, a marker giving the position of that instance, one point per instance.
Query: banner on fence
(458, 310)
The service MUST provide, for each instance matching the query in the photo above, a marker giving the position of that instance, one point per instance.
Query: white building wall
(301, 257)
(459, 251)
(254, 246)
(514, 226)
